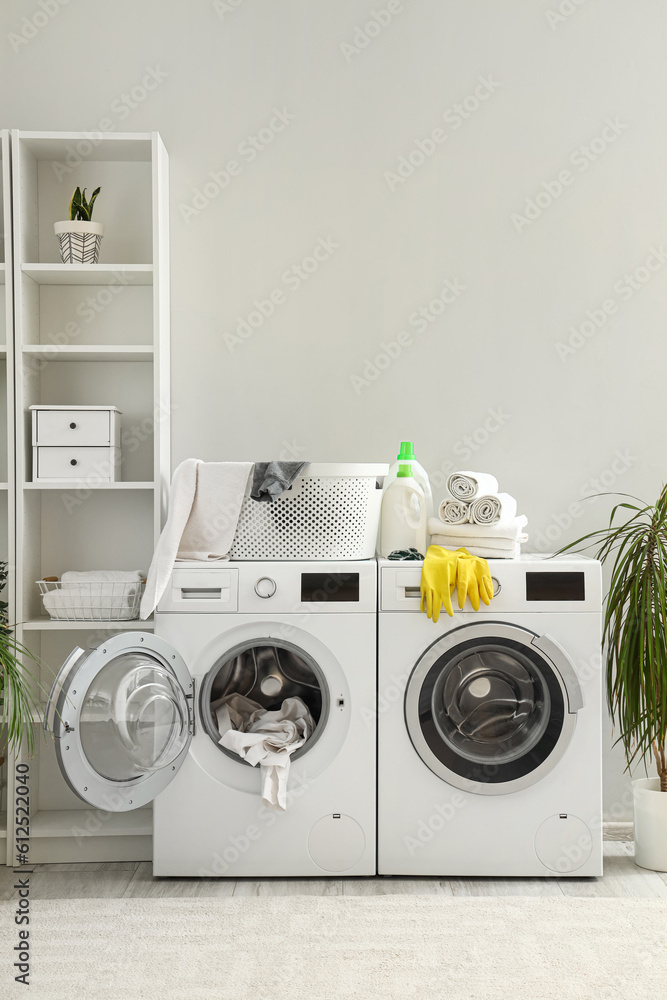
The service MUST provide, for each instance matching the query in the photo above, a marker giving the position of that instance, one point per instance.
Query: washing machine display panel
(555, 586)
(486, 710)
(133, 718)
(329, 588)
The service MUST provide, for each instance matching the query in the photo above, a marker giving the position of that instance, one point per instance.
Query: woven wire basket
(330, 512)
(98, 602)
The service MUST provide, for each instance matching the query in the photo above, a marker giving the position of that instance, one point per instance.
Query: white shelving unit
(88, 334)
(7, 532)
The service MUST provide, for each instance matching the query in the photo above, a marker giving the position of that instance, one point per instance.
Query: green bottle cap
(404, 472)
(407, 452)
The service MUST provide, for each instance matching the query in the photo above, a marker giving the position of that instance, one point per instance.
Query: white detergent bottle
(406, 456)
(403, 519)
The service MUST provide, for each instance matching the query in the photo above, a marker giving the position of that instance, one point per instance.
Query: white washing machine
(133, 723)
(489, 754)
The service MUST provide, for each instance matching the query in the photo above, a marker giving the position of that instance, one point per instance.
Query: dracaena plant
(81, 210)
(635, 625)
(19, 706)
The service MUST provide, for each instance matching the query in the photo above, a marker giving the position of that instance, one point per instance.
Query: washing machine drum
(266, 672)
(491, 705)
(487, 710)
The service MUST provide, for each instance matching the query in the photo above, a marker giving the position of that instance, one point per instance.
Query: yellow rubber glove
(473, 580)
(438, 580)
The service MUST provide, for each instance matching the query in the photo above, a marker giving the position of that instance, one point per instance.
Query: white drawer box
(65, 426)
(95, 465)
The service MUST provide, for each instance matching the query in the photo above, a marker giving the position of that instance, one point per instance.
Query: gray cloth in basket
(271, 479)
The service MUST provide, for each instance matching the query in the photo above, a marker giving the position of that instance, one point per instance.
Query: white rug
(321, 948)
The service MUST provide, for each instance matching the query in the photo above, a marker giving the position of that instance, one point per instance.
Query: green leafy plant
(81, 210)
(18, 703)
(635, 625)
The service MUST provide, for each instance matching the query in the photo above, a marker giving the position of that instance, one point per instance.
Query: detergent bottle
(403, 517)
(406, 456)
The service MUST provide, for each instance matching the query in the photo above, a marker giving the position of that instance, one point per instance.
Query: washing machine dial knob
(265, 587)
(496, 585)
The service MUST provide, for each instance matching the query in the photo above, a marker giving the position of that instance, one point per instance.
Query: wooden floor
(130, 879)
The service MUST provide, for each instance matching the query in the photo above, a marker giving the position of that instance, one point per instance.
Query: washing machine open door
(492, 707)
(122, 718)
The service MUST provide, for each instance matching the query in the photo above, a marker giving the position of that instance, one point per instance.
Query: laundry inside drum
(268, 674)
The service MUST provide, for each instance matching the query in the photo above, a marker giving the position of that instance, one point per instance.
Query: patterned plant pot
(79, 241)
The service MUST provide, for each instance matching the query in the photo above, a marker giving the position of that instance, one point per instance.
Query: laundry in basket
(93, 595)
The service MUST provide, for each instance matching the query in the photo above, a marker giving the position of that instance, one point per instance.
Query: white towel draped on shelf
(204, 506)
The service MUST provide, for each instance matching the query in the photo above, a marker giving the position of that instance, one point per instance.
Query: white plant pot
(79, 241)
(650, 824)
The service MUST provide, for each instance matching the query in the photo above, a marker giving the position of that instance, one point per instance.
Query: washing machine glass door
(491, 707)
(121, 715)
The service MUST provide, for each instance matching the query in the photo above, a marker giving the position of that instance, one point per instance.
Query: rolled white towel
(492, 507)
(468, 485)
(506, 528)
(454, 512)
(483, 551)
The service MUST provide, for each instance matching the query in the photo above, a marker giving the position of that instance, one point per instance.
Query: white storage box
(76, 442)
(330, 512)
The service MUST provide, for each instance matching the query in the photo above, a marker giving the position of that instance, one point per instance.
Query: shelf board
(3, 350)
(3, 269)
(49, 625)
(61, 822)
(113, 146)
(90, 352)
(4, 486)
(84, 484)
(3, 825)
(89, 274)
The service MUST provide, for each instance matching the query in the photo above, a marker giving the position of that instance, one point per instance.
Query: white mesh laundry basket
(330, 512)
(99, 601)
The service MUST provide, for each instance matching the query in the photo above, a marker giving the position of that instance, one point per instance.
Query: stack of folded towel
(479, 518)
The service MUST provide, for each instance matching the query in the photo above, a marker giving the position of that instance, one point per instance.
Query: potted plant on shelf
(19, 708)
(80, 237)
(635, 635)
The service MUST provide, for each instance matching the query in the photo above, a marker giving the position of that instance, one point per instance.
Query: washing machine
(133, 720)
(489, 752)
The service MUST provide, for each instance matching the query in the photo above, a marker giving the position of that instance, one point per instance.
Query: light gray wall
(573, 86)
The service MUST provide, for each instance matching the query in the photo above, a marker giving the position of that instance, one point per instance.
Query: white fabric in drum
(267, 738)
